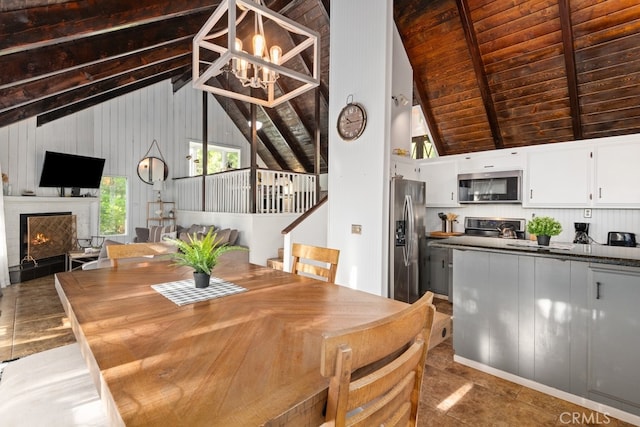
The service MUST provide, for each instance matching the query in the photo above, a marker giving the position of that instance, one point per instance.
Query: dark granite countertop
(602, 254)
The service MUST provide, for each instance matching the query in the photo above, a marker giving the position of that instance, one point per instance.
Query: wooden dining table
(247, 359)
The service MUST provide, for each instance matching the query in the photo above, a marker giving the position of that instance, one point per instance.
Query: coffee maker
(582, 232)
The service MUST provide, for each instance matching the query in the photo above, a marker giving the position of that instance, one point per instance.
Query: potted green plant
(201, 254)
(543, 227)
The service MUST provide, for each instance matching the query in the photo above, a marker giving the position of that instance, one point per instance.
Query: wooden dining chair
(314, 261)
(133, 250)
(390, 353)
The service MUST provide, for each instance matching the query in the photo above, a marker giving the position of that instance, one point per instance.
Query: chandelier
(217, 51)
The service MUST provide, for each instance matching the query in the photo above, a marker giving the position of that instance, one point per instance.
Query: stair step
(281, 253)
(442, 329)
(275, 263)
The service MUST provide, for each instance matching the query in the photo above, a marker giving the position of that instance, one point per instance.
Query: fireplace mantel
(39, 199)
(86, 210)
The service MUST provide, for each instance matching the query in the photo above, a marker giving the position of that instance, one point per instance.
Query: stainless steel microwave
(490, 187)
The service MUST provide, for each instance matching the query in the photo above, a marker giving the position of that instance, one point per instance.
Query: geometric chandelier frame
(214, 54)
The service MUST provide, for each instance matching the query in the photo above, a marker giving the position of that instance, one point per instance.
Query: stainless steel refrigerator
(407, 226)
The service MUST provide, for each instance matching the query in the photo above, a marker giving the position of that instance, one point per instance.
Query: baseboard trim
(581, 401)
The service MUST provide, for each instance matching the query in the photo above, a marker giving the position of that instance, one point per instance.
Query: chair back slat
(134, 250)
(376, 369)
(314, 261)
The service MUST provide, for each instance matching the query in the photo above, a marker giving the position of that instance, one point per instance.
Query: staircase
(277, 263)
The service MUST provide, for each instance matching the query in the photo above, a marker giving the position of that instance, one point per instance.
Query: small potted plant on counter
(201, 254)
(543, 227)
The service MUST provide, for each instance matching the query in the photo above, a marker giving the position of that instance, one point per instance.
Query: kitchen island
(563, 319)
(599, 254)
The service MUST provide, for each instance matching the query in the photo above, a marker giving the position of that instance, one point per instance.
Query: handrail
(276, 192)
(305, 215)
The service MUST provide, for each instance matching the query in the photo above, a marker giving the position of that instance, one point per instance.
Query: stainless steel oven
(508, 228)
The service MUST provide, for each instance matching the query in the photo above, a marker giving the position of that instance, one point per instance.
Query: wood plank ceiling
(59, 57)
(501, 74)
(488, 74)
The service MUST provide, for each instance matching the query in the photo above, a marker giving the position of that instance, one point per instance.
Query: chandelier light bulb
(243, 68)
(258, 45)
(276, 54)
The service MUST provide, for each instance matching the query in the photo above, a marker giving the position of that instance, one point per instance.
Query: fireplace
(45, 239)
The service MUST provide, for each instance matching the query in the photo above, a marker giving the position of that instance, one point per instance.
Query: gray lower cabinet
(434, 268)
(614, 337)
(485, 308)
(522, 314)
(471, 300)
(439, 270)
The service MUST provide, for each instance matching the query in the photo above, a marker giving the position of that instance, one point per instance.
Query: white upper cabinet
(617, 176)
(441, 177)
(404, 166)
(558, 177)
(499, 160)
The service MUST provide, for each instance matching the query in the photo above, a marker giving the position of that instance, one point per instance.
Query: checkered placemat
(184, 292)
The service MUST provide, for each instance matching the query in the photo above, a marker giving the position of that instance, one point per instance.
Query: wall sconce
(400, 100)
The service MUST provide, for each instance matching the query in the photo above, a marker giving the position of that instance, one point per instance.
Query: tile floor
(32, 320)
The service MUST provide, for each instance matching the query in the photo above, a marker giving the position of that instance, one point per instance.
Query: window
(113, 205)
(219, 158)
(422, 148)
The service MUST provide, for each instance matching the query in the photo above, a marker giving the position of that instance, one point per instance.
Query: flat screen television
(69, 170)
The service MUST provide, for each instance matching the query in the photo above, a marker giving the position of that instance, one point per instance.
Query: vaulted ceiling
(488, 74)
(509, 73)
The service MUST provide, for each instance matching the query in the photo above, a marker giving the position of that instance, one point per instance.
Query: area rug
(50, 388)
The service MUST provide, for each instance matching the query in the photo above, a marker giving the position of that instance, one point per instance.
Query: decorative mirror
(151, 168)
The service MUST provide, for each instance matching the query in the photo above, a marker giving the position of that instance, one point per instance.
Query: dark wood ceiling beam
(282, 6)
(25, 66)
(481, 75)
(306, 60)
(325, 5)
(233, 112)
(244, 111)
(288, 138)
(71, 97)
(52, 24)
(181, 81)
(18, 95)
(570, 66)
(105, 96)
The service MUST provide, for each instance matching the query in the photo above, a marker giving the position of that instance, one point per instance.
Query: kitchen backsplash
(601, 222)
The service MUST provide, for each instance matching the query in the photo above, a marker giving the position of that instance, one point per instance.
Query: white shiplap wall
(121, 130)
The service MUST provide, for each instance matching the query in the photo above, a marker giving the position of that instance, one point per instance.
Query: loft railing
(230, 191)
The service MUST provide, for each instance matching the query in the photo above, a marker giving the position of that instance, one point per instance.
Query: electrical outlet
(587, 213)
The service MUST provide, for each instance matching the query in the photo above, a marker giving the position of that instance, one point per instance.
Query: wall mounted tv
(69, 170)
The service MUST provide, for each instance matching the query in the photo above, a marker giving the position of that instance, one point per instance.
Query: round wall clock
(351, 121)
